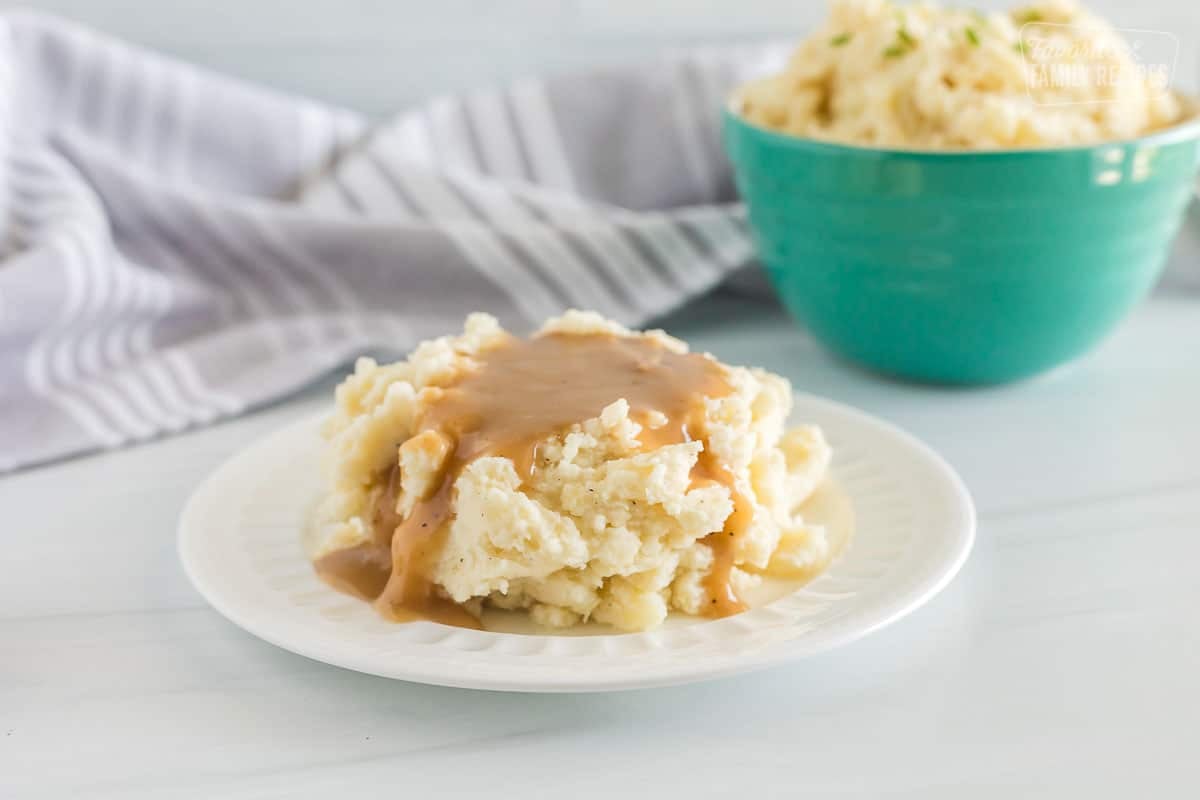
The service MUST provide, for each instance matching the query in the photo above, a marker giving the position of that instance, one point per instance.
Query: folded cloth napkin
(177, 247)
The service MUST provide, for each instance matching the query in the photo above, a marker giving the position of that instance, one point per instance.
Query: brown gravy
(521, 393)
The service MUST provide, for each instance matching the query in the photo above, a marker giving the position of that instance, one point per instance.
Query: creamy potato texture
(925, 77)
(602, 527)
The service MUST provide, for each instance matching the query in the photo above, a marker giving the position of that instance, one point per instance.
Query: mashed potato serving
(586, 473)
(924, 77)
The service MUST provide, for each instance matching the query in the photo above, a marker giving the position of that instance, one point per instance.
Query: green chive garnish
(972, 37)
(841, 39)
(904, 37)
(895, 51)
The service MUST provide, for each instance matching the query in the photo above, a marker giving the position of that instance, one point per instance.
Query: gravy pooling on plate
(573, 427)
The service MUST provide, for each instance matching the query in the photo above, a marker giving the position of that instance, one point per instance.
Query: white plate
(240, 539)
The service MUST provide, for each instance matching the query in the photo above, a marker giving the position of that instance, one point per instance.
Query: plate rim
(965, 522)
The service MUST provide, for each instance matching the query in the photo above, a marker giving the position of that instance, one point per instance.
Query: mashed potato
(601, 526)
(924, 77)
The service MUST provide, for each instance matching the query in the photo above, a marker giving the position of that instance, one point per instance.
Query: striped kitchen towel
(177, 247)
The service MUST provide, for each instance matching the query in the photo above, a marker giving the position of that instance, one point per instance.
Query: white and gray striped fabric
(178, 247)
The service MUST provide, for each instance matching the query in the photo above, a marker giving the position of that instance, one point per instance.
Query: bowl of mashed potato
(961, 197)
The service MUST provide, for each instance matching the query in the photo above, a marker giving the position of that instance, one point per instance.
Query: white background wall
(377, 55)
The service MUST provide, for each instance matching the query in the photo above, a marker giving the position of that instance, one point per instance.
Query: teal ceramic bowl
(962, 267)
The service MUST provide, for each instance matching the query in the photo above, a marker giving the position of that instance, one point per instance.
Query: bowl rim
(1180, 132)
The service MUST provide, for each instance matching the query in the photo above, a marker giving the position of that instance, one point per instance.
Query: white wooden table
(1063, 661)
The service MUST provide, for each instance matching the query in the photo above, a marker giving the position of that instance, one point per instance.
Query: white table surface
(1062, 662)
